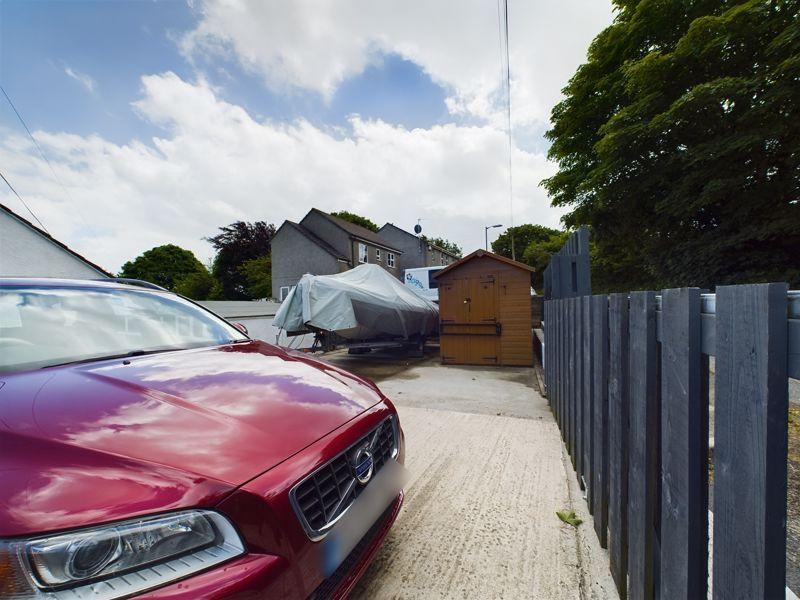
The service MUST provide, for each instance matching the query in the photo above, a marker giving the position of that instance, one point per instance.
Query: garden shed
(485, 311)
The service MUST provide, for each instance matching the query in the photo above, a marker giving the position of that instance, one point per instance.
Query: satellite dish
(417, 228)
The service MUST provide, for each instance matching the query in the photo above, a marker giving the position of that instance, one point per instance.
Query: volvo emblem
(363, 465)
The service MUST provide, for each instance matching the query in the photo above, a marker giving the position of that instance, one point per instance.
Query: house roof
(314, 239)
(50, 238)
(408, 233)
(481, 254)
(357, 231)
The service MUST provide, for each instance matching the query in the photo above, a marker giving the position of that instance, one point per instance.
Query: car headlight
(118, 559)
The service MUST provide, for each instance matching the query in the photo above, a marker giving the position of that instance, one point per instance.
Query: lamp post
(486, 234)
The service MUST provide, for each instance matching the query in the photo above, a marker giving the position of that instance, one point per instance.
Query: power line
(505, 77)
(43, 155)
(25, 204)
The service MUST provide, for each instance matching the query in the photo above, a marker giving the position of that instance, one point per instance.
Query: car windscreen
(46, 326)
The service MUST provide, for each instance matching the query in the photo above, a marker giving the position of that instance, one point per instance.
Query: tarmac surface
(488, 472)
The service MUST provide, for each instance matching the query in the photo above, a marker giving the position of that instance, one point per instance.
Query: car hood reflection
(225, 414)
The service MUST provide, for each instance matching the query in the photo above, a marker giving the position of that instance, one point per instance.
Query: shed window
(390, 259)
(363, 256)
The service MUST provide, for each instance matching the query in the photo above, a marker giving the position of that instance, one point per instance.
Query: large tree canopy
(678, 142)
(533, 245)
(166, 265)
(523, 236)
(237, 244)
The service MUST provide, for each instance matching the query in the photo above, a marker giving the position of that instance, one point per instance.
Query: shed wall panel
(474, 298)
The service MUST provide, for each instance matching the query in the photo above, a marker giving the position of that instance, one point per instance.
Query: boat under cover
(364, 303)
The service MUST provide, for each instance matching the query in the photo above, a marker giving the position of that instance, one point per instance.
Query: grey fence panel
(560, 361)
(565, 368)
(618, 440)
(629, 384)
(571, 358)
(586, 396)
(599, 417)
(583, 271)
(642, 456)
(579, 368)
(568, 274)
(548, 340)
(558, 364)
(576, 344)
(750, 434)
(794, 348)
(575, 356)
(684, 443)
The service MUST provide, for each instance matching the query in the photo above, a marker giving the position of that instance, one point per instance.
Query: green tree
(523, 235)
(199, 285)
(678, 142)
(258, 276)
(236, 244)
(538, 253)
(444, 244)
(163, 265)
(356, 219)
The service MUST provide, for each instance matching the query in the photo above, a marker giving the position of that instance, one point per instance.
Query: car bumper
(265, 576)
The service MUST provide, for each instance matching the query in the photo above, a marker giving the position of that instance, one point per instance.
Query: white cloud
(217, 164)
(81, 78)
(317, 44)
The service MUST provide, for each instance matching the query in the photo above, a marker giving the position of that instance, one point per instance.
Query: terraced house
(417, 251)
(322, 244)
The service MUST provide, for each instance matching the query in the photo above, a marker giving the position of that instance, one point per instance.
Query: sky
(160, 121)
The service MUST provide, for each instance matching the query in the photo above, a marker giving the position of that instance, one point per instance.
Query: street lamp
(486, 234)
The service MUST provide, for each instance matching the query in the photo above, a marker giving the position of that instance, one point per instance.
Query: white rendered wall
(26, 253)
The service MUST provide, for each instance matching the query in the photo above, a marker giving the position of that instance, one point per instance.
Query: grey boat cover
(360, 304)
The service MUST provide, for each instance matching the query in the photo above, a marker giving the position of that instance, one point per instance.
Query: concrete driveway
(487, 473)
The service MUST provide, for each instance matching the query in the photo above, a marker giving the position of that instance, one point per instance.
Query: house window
(390, 260)
(377, 254)
(362, 253)
(284, 292)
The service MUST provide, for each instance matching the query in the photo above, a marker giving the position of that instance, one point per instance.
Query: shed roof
(483, 254)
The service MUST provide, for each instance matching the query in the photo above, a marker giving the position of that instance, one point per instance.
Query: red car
(148, 447)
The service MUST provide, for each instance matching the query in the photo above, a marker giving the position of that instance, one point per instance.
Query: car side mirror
(240, 327)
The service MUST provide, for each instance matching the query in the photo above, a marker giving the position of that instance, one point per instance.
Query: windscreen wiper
(111, 357)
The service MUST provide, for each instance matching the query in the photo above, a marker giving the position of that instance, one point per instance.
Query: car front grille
(324, 496)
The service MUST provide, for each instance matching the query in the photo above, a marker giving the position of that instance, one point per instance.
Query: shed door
(453, 313)
(468, 314)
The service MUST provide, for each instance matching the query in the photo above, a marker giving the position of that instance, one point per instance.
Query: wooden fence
(627, 377)
(568, 274)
